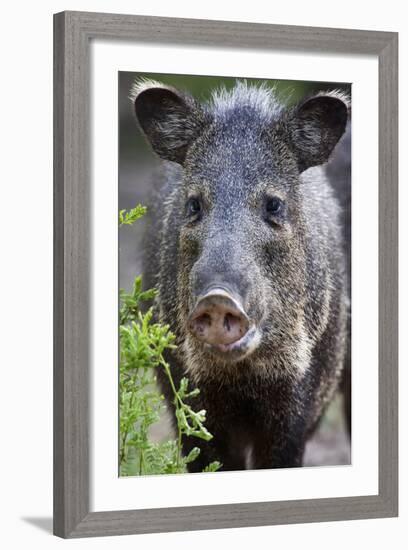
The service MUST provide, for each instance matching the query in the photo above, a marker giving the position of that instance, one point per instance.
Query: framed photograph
(225, 283)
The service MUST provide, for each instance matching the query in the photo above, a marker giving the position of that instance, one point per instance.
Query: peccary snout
(218, 319)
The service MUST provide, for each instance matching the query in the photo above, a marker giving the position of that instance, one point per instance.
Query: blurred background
(137, 166)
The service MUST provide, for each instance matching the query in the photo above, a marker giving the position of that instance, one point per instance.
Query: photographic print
(234, 271)
(202, 295)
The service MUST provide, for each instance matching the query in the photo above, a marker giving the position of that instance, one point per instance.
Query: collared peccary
(245, 247)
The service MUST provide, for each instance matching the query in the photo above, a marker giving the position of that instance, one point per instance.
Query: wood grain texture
(388, 273)
(72, 32)
(71, 284)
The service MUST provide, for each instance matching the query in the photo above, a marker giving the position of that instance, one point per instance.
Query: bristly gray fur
(262, 99)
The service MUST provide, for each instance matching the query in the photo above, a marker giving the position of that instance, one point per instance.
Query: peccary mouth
(221, 324)
(237, 350)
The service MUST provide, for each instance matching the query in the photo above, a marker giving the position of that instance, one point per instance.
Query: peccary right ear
(170, 119)
(315, 126)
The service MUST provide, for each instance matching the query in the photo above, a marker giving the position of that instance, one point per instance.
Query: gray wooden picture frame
(72, 34)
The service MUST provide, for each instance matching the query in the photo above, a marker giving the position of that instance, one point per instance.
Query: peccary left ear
(315, 126)
(170, 119)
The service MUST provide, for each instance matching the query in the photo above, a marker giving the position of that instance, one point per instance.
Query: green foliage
(130, 302)
(129, 217)
(142, 346)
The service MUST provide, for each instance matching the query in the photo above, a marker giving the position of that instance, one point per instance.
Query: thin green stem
(177, 402)
(126, 431)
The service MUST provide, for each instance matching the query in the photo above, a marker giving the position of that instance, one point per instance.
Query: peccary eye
(193, 206)
(274, 206)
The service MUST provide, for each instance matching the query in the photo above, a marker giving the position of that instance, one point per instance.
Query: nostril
(232, 322)
(202, 323)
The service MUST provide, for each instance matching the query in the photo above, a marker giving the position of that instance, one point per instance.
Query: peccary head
(238, 213)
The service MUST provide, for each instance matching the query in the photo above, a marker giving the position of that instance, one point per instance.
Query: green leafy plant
(142, 346)
(129, 217)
